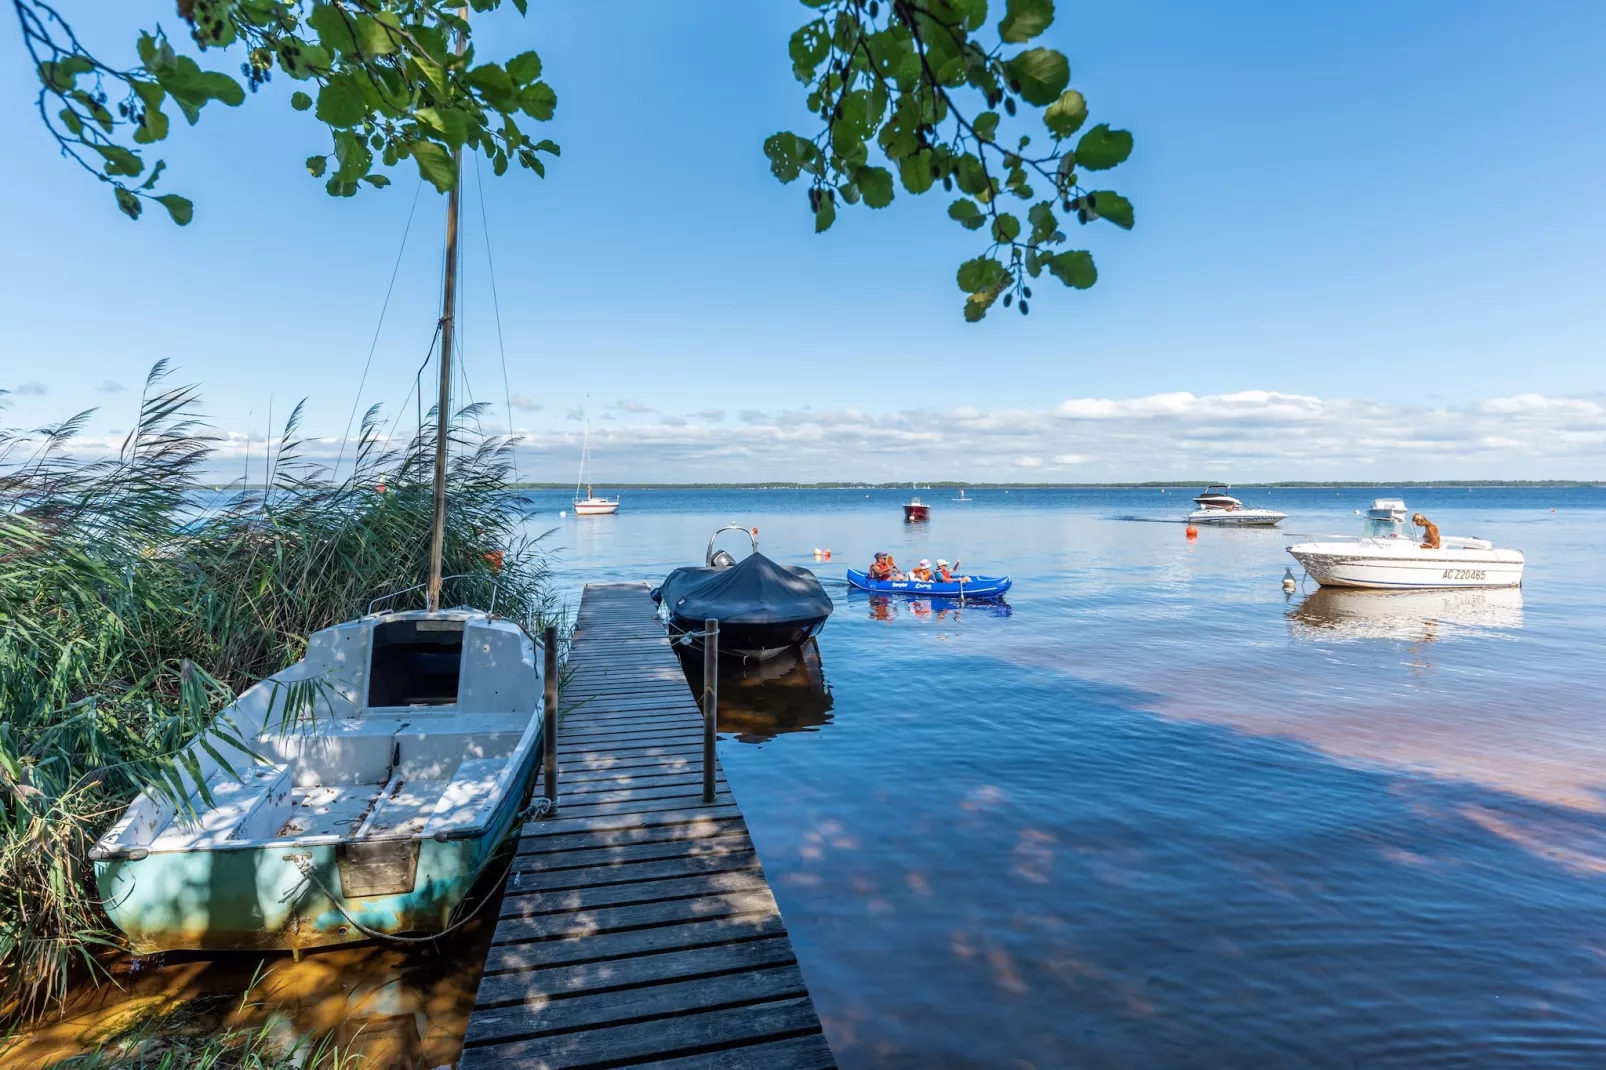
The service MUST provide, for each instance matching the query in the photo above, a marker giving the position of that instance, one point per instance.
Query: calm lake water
(1157, 813)
(1153, 813)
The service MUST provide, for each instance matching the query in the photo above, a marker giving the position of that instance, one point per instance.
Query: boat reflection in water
(892, 606)
(761, 700)
(1339, 613)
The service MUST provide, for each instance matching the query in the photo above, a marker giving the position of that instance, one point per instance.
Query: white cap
(942, 561)
(925, 563)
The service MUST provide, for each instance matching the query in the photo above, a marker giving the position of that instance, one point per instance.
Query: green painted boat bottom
(637, 927)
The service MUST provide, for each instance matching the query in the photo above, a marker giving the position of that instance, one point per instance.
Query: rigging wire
(374, 345)
(496, 307)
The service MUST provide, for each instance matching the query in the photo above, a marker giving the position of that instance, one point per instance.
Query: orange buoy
(494, 559)
(1193, 532)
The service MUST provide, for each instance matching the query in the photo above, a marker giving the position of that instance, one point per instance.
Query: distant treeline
(1291, 484)
(1156, 484)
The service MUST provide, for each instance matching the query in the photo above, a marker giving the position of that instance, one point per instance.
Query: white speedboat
(1216, 506)
(1387, 555)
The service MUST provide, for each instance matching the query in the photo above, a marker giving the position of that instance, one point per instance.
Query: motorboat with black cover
(763, 608)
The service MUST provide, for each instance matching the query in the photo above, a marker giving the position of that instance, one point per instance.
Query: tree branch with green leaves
(916, 80)
(915, 87)
(392, 80)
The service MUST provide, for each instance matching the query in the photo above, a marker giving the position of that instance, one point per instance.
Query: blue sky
(1367, 246)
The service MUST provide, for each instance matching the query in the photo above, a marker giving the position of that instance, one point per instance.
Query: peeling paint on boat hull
(256, 898)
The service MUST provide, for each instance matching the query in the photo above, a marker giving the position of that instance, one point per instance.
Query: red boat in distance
(916, 511)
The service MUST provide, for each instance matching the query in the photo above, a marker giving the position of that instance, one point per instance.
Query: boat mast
(585, 447)
(437, 535)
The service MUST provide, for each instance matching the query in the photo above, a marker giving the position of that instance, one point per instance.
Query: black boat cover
(755, 590)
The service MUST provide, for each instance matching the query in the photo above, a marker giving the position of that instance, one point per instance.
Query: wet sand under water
(398, 1009)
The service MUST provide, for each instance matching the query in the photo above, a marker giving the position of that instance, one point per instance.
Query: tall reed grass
(134, 602)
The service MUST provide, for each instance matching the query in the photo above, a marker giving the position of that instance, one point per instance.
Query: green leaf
(980, 275)
(1102, 148)
(1043, 221)
(1006, 228)
(986, 125)
(449, 123)
(976, 305)
(341, 102)
(435, 164)
(376, 181)
(127, 203)
(1074, 268)
(153, 129)
(538, 101)
(333, 29)
(1107, 204)
(61, 74)
(809, 44)
(916, 172)
(119, 161)
(1024, 20)
(972, 176)
(825, 214)
(524, 68)
(178, 207)
(1065, 116)
(351, 157)
(221, 87)
(965, 211)
(496, 84)
(875, 183)
(523, 6)
(373, 38)
(547, 145)
(782, 150)
(300, 101)
(1041, 73)
(315, 165)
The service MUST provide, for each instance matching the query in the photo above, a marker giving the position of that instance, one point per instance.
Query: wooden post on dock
(549, 720)
(710, 703)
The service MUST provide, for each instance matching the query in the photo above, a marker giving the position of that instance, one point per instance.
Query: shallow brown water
(401, 1009)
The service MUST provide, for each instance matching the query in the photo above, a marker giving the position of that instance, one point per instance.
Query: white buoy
(562, 513)
(1289, 583)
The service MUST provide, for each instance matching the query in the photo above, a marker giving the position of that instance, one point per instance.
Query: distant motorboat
(1216, 506)
(1385, 555)
(916, 511)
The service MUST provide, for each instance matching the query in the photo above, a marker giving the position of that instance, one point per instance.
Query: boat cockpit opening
(415, 663)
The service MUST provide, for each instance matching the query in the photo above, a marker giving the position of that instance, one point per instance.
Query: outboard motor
(722, 559)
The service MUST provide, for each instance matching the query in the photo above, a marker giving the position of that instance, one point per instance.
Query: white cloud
(710, 414)
(632, 405)
(525, 404)
(111, 386)
(576, 413)
(1243, 437)
(31, 388)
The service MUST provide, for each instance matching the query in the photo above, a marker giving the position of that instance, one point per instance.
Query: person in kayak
(946, 574)
(921, 573)
(1430, 531)
(881, 568)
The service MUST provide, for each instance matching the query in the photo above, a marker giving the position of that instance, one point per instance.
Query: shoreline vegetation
(130, 617)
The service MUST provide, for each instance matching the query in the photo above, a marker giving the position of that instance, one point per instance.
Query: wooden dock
(637, 928)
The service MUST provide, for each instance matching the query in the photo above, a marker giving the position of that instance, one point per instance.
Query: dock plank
(637, 927)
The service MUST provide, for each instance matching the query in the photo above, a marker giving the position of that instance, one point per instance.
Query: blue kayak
(974, 587)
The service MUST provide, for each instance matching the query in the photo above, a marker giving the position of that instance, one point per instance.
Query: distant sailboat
(590, 505)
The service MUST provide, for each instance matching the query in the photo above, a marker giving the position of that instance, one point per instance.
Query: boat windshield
(1380, 527)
